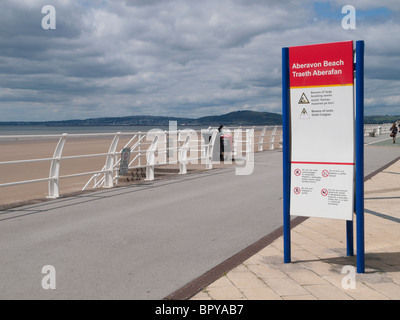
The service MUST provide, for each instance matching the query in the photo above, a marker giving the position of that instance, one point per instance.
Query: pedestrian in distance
(221, 144)
(393, 133)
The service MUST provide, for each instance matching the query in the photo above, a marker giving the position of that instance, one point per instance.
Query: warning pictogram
(303, 99)
(304, 114)
(297, 190)
(324, 192)
(297, 172)
(325, 173)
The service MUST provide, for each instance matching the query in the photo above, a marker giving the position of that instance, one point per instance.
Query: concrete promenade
(320, 269)
(149, 240)
(141, 241)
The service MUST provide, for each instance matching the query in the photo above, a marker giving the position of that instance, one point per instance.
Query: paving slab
(320, 269)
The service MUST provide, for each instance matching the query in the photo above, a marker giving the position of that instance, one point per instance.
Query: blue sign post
(286, 153)
(360, 156)
(359, 146)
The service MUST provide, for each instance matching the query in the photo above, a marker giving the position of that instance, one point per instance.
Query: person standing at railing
(393, 133)
(221, 144)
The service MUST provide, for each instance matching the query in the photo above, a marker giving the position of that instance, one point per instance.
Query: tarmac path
(144, 241)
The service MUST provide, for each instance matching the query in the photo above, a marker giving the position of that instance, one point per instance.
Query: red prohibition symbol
(297, 190)
(325, 173)
(297, 172)
(324, 192)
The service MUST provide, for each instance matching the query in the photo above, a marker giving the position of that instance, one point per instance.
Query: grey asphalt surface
(144, 241)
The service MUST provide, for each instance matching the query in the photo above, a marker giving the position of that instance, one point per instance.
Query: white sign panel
(322, 130)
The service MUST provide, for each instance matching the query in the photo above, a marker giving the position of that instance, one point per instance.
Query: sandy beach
(39, 149)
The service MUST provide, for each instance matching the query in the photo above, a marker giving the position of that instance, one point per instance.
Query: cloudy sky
(187, 58)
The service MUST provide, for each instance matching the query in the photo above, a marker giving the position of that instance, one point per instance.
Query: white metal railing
(54, 176)
(179, 147)
(376, 129)
(151, 149)
(187, 141)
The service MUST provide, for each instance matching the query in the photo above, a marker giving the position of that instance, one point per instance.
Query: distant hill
(242, 118)
(380, 119)
(234, 118)
(237, 118)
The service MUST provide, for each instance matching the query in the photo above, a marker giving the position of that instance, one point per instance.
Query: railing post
(163, 157)
(150, 155)
(272, 140)
(54, 175)
(109, 169)
(210, 149)
(183, 155)
(261, 140)
(249, 143)
(237, 143)
(139, 149)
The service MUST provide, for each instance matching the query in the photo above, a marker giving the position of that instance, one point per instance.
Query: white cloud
(172, 58)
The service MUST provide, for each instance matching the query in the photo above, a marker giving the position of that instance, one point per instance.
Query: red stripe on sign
(321, 64)
(332, 163)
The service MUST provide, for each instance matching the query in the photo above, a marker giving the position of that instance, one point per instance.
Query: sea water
(56, 130)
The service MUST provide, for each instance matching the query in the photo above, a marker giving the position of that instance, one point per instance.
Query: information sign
(124, 164)
(322, 130)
